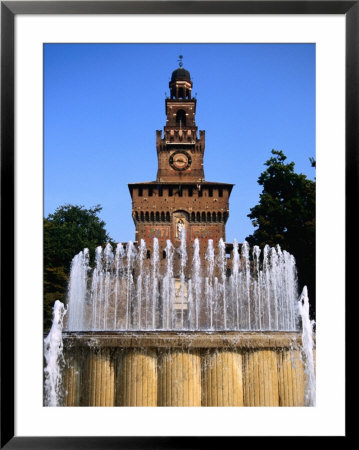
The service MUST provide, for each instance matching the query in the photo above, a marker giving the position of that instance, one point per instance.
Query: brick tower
(180, 197)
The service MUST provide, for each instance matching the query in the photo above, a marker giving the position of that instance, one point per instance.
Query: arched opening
(181, 93)
(181, 118)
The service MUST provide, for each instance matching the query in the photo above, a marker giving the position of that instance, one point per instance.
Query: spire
(180, 62)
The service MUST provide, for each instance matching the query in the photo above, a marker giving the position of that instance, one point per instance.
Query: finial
(180, 62)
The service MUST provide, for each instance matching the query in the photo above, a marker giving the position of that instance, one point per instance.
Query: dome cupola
(180, 84)
(180, 74)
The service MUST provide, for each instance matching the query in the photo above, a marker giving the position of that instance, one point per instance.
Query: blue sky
(103, 103)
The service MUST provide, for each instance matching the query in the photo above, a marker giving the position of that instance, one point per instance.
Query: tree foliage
(67, 232)
(285, 215)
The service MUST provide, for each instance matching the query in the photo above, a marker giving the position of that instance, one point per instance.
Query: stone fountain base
(183, 369)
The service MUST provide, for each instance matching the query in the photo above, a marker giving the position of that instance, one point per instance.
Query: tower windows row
(207, 217)
(146, 216)
(216, 217)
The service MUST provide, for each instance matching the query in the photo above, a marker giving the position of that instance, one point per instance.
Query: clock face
(180, 160)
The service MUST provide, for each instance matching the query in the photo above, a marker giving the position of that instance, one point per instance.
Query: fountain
(125, 291)
(130, 314)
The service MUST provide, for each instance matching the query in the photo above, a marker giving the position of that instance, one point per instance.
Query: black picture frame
(9, 9)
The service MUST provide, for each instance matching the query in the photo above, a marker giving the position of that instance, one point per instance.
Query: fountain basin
(177, 368)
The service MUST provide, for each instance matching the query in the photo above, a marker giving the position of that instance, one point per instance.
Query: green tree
(285, 215)
(67, 231)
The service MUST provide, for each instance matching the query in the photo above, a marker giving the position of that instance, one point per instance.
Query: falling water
(141, 256)
(155, 281)
(196, 284)
(307, 347)
(246, 281)
(118, 270)
(53, 348)
(257, 292)
(108, 256)
(78, 289)
(168, 288)
(209, 281)
(183, 261)
(241, 290)
(130, 255)
(96, 292)
(222, 266)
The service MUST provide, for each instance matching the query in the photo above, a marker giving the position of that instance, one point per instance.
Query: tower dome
(180, 84)
(181, 74)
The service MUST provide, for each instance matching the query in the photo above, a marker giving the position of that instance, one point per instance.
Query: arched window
(181, 118)
(152, 216)
(181, 93)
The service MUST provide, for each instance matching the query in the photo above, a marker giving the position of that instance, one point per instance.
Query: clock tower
(180, 198)
(180, 151)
